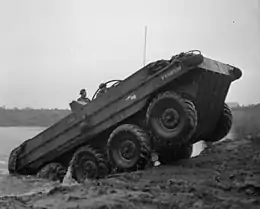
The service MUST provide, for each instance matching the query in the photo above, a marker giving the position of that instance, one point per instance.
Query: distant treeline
(246, 118)
(31, 117)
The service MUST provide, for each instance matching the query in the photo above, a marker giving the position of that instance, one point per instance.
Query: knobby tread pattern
(52, 171)
(223, 125)
(144, 142)
(91, 151)
(190, 111)
(104, 167)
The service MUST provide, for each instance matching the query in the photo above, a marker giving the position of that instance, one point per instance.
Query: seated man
(102, 89)
(77, 107)
(83, 97)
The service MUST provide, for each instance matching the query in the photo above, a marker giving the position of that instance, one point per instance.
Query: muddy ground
(226, 175)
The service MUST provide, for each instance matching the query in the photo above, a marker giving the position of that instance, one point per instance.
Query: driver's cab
(77, 106)
(104, 87)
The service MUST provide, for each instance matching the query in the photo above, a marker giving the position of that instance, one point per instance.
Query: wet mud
(224, 175)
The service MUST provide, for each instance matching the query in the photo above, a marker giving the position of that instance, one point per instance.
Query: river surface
(11, 137)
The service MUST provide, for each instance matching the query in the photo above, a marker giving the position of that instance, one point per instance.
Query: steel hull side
(106, 117)
(121, 102)
(71, 121)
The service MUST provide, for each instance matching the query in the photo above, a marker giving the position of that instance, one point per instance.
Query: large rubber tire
(86, 163)
(52, 172)
(170, 155)
(223, 126)
(181, 121)
(104, 166)
(126, 137)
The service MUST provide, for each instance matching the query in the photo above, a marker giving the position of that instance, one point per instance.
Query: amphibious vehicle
(164, 108)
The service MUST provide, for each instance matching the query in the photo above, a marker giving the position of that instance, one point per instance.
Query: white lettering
(131, 97)
(171, 73)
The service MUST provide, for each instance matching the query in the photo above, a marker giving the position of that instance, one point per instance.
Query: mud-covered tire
(87, 163)
(128, 136)
(223, 126)
(52, 172)
(169, 155)
(104, 169)
(182, 113)
(104, 166)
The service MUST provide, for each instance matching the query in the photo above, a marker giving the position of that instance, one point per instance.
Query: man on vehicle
(83, 97)
(102, 89)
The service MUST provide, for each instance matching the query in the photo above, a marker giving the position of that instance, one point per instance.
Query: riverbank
(31, 117)
(224, 176)
(46, 117)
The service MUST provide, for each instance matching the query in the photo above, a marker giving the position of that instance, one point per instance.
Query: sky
(50, 49)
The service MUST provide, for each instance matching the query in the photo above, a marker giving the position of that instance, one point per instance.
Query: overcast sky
(50, 49)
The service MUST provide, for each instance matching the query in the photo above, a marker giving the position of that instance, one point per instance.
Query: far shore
(24, 126)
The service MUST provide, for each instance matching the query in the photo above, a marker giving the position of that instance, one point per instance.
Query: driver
(102, 89)
(83, 96)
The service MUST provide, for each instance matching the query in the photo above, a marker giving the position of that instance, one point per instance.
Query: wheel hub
(170, 118)
(88, 169)
(127, 150)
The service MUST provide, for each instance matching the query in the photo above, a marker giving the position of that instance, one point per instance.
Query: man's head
(102, 86)
(83, 93)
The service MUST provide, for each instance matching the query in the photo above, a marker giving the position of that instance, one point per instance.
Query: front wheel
(129, 148)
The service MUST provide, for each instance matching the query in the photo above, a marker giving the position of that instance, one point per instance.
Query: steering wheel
(115, 83)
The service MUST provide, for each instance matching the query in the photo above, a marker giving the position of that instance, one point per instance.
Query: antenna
(144, 56)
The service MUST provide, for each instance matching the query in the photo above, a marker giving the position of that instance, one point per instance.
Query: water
(11, 137)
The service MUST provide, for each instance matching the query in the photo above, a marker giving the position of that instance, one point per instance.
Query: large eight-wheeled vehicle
(163, 108)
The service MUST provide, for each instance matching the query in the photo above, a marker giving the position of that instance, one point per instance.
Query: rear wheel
(52, 172)
(129, 148)
(171, 118)
(86, 163)
(223, 126)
